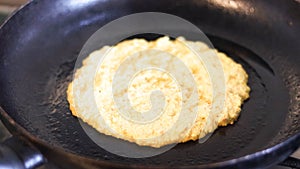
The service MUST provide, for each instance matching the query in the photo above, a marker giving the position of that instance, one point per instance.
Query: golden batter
(91, 99)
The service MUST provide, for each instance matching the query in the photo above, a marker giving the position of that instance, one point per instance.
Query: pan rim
(16, 129)
(286, 148)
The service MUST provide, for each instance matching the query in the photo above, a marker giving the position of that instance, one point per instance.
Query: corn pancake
(93, 83)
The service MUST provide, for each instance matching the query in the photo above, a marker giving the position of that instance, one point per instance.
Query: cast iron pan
(40, 43)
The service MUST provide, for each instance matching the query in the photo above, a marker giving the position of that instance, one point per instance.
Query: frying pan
(39, 45)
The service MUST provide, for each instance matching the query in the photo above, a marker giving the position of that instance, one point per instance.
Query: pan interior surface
(38, 58)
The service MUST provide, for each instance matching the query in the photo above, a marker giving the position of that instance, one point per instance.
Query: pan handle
(18, 154)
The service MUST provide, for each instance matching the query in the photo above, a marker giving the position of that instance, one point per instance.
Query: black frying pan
(40, 43)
